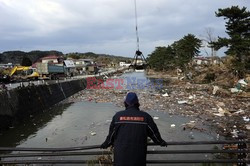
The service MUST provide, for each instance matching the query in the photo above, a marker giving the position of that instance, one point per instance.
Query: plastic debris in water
(156, 117)
(172, 125)
(93, 133)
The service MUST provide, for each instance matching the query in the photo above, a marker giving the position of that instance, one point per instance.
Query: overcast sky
(106, 26)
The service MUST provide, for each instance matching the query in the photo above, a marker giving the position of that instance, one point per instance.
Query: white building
(124, 64)
(83, 64)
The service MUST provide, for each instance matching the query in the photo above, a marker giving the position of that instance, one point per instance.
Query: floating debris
(191, 97)
(216, 88)
(165, 95)
(246, 119)
(156, 117)
(183, 102)
(189, 125)
(92, 133)
(248, 126)
(172, 125)
(186, 99)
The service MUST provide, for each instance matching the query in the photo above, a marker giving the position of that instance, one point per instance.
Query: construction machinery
(21, 73)
(139, 62)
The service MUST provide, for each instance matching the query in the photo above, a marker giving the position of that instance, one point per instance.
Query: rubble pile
(215, 74)
(227, 112)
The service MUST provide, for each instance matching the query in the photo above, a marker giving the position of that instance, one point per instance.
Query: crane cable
(136, 27)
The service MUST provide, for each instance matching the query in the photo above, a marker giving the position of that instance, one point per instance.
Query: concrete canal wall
(19, 103)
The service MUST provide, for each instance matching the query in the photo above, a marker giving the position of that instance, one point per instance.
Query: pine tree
(186, 49)
(238, 30)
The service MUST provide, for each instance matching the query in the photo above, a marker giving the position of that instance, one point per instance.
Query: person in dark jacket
(128, 134)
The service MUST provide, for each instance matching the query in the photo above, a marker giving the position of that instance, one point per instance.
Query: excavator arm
(18, 68)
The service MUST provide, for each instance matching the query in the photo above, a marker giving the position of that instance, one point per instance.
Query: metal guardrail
(98, 146)
(97, 162)
(71, 151)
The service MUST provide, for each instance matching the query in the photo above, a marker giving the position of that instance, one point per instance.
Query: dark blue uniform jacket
(128, 134)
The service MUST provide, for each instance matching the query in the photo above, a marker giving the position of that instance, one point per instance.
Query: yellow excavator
(23, 73)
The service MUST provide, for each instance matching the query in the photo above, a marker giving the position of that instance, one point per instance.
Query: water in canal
(87, 123)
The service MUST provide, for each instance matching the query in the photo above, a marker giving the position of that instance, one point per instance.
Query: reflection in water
(30, 126)
(74, 126)
(139, 81)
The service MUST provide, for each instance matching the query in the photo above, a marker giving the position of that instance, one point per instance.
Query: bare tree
(209, 39)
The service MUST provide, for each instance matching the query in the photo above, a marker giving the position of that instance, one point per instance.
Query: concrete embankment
(19, 103)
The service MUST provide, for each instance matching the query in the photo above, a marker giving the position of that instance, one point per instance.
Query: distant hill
(16, 57)
(99, 58)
